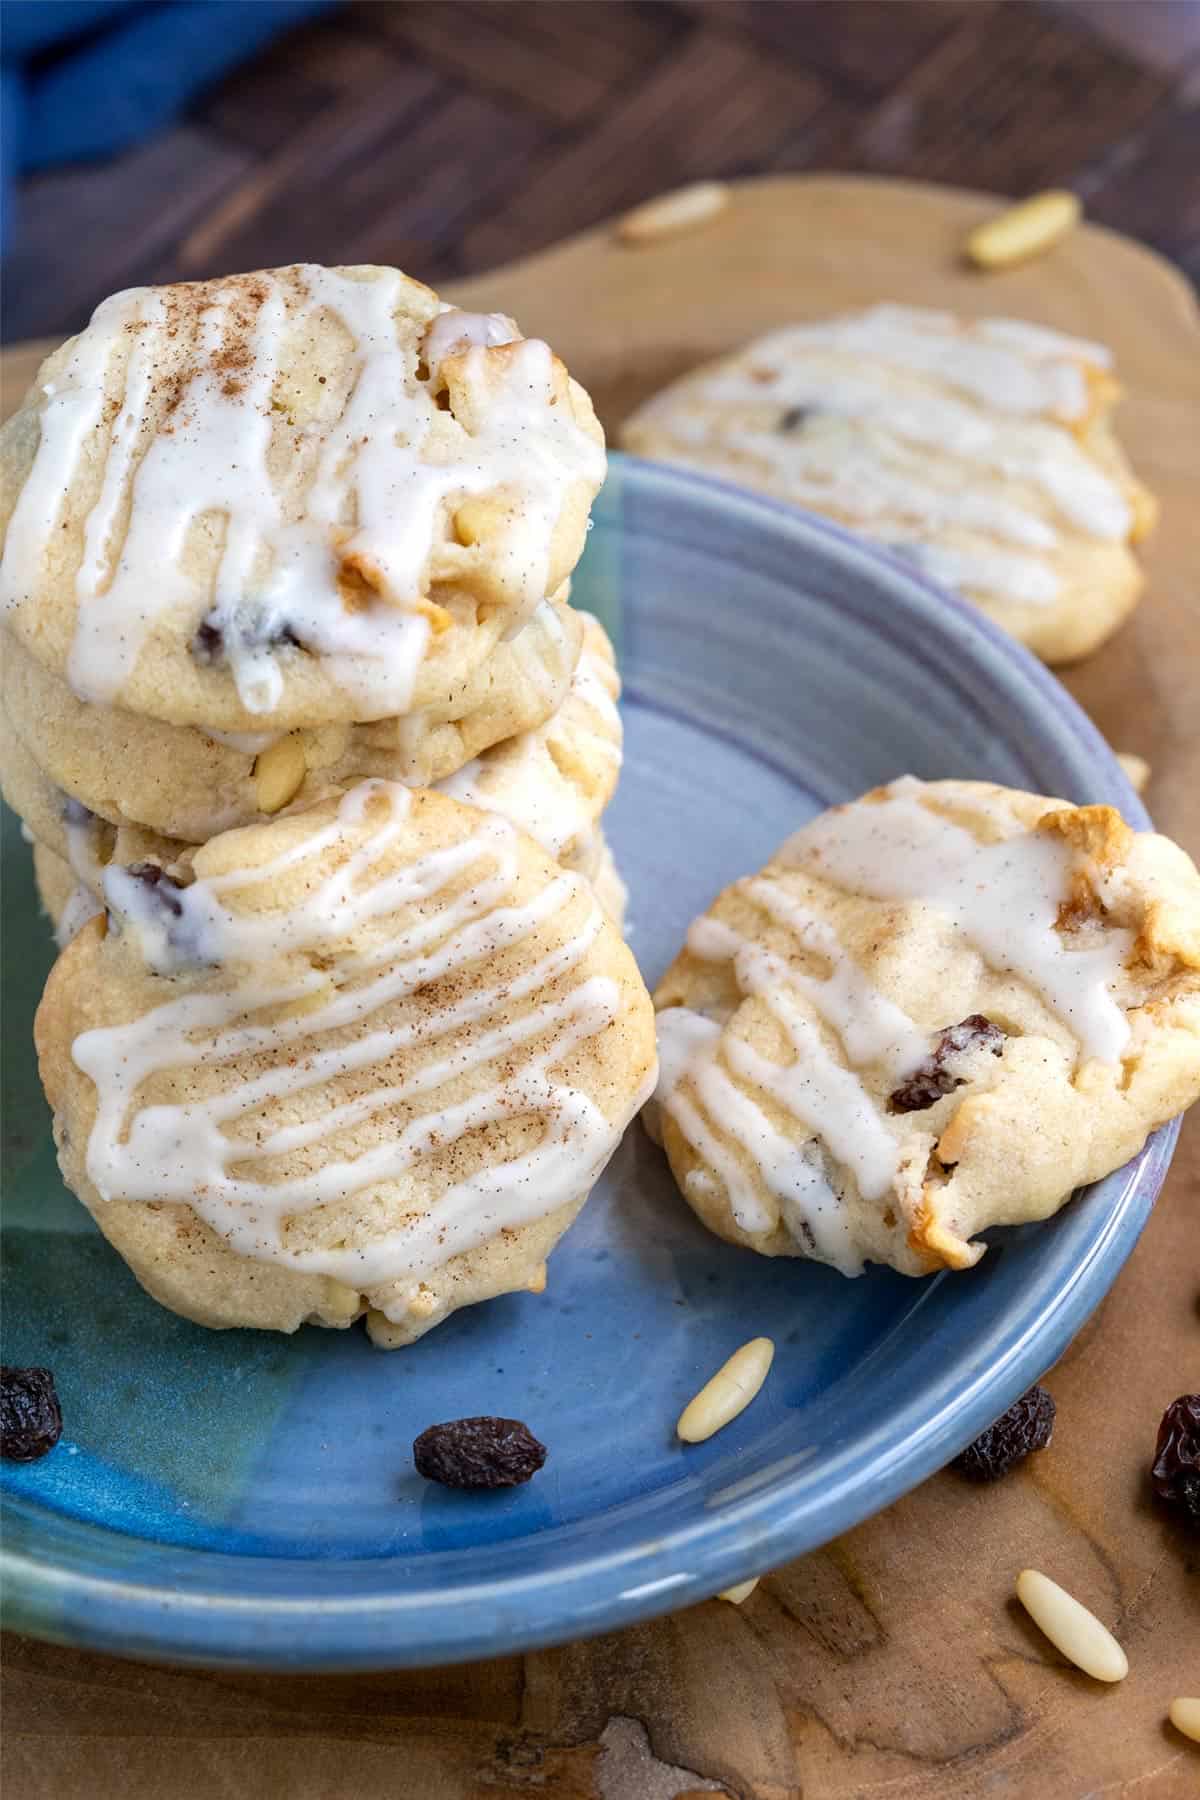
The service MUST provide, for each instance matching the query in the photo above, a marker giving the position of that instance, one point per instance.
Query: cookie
(595, 861)
(66, 902)
(556, 781)
(370, 1057)
(81, 840)
(552, 782)
(982, 451)
(299, 497)
(938, 1009)
(186, 783)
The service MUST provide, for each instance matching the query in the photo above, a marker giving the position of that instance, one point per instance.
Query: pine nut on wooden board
(1071, 1628)
(1184, 1714)
(668, 214)
(1028, 229)
(741, 1590)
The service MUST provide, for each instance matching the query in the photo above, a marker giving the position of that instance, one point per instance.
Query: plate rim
(206, 1619)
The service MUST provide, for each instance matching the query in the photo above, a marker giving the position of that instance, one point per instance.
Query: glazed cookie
(300, 497)
(369, 1057)
(553, 782)
(980, 450)
(556, 781)
(64, 827)
(595, 861)
(66, 902)
(190, 784)
(938, 1009)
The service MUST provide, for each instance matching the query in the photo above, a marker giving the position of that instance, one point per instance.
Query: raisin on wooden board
(1027, 1425)
(1175, 1476)
(30, 1416)
(478, 1453)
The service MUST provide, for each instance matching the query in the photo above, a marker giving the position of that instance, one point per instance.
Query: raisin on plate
(30, 1416)
(1175, 1475)
(1027, 1425)
(478, 1453)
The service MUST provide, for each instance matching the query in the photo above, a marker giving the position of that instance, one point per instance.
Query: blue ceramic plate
(237, 1497)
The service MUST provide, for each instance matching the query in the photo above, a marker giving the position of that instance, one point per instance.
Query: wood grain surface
(458, 134)
(894, 1662)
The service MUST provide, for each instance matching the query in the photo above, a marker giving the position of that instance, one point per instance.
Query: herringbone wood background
(450, 135)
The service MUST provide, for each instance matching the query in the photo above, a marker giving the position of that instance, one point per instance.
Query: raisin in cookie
(367, 1058)
(980, 450)
(940, 1008)
(299, 497)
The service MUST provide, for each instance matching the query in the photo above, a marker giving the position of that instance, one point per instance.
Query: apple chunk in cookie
(369, 1058)
(938, 1009)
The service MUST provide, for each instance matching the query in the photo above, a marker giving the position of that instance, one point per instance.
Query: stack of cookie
(277, 534)
(282, 550)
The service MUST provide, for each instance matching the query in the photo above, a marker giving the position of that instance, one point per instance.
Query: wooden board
(893, 1662)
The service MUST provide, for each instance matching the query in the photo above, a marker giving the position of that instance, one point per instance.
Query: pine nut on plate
(1184, 1715)
(666, 214)
(1024, 230)
(1071, 1628)
(741, 1590)
(729, 1392)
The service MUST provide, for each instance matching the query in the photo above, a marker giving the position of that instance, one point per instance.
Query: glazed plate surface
(246, 1498)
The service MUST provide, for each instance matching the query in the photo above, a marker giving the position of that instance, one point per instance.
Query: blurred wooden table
(450, 136)
(891, 1663)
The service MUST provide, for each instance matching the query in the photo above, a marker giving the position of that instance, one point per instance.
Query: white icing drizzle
(868, 483)
(183, 1151)
(1021, 579)
(1015, 368)
(1034, 451)
(382, 479)
(873, 1029)
(81, 906)
(454, 331)
(1042, 341)
(1004, 897)
(909, 459)
(827, 1098)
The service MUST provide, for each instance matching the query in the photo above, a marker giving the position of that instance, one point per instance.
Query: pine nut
(1184, 1715)
(475, 520)
(340, 1301)
(1137, 770)
(741, 1590)
(1071, 1628)
(667, 214)
(278, 773)
(1024, 230)
(729, 1392)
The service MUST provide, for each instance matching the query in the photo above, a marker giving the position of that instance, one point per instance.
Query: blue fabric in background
(88, 78)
